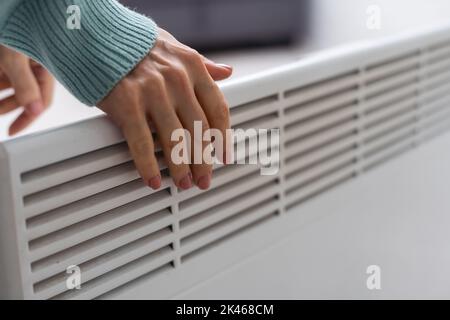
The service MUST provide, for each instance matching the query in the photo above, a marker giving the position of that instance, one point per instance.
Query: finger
(23, 121)
(194, 120)
(218, 71)
(8, 104)
(26, 87)
(166, 123)
(142, 148)
(46, 83)
(216, 110)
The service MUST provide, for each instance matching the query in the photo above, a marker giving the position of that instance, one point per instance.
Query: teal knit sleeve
(90, 57)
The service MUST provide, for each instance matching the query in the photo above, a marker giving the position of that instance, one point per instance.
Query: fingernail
(224, 66)
(204, 182)
(35, 107)
(186, 182)
(155, 183)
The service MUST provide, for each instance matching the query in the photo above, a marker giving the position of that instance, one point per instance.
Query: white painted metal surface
(396, 217)
(71, 195)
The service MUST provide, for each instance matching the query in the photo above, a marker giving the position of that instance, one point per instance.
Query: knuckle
(194, 52)
(155, 82)
(194, 57)
(178, 75)
(207, 85)
(190, 52)
(197, 60)
(154, 77)
(126, 83)
(127, 86)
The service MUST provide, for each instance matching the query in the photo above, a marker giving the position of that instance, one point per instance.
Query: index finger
(216, 109)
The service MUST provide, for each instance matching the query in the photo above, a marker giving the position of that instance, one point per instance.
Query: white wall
(334, 22)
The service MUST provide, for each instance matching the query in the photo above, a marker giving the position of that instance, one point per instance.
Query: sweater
(88, 45)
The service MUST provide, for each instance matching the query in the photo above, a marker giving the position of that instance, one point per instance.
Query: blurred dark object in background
(223, 24)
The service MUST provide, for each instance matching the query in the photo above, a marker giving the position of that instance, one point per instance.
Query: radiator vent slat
(232, 224)
(74, 168)
(391, 68)
(321, 137)
(389, 126)
(321, 89)
(52, 255)
(239, 201)
(308, 161)
(322, 121)
(392, 97)
(120, 276)
(395, 109)
(305, 191)
(152, 245)
(104, 221)
(320, 106)
(390, 150)
(216, 196)
(81, 188)
(218, 213)
(304, 177)
(247, 111)
(390, 84)
(92, 206)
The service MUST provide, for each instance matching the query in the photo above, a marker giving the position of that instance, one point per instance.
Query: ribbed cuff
(88, 61)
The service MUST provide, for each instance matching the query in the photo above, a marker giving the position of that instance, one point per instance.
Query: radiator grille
(93, 211)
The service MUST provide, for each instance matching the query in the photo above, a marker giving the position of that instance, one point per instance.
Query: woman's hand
(171, 88)
(32, 84)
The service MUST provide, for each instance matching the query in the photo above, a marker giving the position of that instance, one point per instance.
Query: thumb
(218, 71)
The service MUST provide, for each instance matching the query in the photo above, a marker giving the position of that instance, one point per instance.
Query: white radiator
(71, 196)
